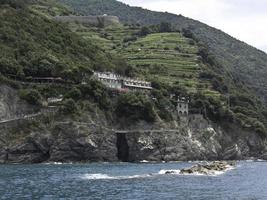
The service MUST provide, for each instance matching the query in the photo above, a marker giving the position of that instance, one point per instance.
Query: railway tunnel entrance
(122, 147)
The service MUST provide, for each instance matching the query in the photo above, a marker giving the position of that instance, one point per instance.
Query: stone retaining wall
(90, 20)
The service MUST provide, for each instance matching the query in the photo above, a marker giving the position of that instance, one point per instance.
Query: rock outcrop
(212, 168)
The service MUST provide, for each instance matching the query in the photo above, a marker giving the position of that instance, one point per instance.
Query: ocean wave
(55, 163)
(169, 171)
(260, 160)
(107, 177)
(255, 160)
(144, 161)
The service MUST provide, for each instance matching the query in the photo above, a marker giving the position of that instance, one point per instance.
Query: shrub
(69, 107)
(97, 92)
(165, 27)
(74, 93)
(260, 128)
(177, 48)
(188, 33)
(15, 3)
(31, 96)
(144, 31)
(130, 39)
(135, 107)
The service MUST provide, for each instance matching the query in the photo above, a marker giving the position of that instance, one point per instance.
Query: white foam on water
(144, 161)
(55, 163)
(255, 160)
(106, 177)
(173, 171)
(96, 176)
(211, 172)
(260, 160)
(249, 160)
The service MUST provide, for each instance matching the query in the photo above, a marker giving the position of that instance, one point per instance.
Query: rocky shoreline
(209, 168)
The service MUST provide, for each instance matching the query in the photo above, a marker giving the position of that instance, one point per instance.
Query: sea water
(248, 181)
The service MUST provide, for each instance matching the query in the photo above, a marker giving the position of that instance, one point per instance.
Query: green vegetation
(34, 46)
(135, 107)
(31, 96)
(175, 61)
(244, 64)
(183, 65)
(68, 107)
(16, 3)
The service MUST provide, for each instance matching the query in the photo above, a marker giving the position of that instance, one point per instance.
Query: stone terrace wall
(90, 20)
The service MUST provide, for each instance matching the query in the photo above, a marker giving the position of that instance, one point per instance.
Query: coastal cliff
(93, 139)
(176, 102)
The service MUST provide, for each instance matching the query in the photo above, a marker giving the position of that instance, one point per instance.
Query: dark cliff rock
(65, 143)
(81, 142)
(65, 140)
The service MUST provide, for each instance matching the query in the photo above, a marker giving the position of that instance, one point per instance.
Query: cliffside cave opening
(123, 148)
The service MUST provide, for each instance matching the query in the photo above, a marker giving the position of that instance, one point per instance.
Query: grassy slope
(245, 63)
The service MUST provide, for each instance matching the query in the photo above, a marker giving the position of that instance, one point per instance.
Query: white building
(118, 82)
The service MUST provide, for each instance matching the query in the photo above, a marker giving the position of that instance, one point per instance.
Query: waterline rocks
(213, 168)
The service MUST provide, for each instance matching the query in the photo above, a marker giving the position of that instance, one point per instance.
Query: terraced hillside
(167, 57)
(245, 64)
(178, 62)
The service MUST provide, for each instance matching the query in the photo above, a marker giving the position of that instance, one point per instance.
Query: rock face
(65, 143)
(195, 141)
(78, 142)
(64, 140)
(10, 104)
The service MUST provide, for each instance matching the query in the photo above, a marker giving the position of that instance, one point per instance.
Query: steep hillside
(167, 57)
(244, 63)
(52, 110)
(178, 65)
(32, 45)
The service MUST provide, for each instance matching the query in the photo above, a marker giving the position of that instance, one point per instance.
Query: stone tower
(182, 106)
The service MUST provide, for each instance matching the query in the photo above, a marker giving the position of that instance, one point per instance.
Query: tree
(135, 107)
(31, 96)
(74, 93)
(165, 27)
(15, 3)
(96, 91)
(69, 107)
(144, 31)
(188, 33)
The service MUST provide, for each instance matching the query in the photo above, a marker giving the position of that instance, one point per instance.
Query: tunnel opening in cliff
(123, 147)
